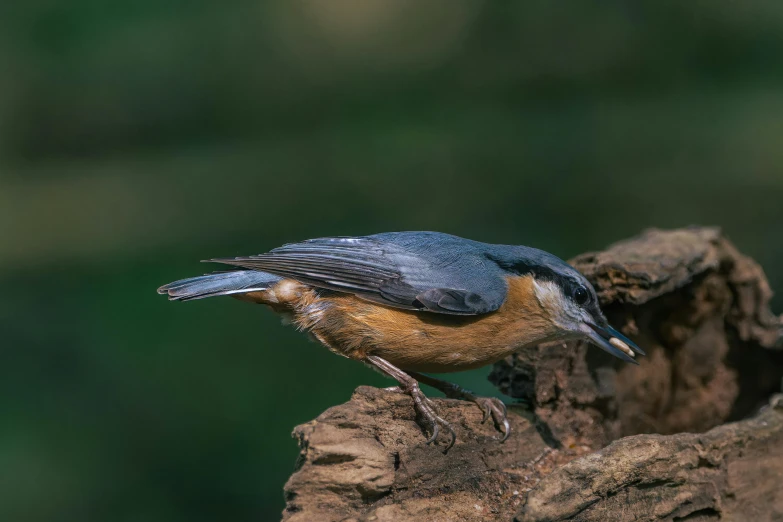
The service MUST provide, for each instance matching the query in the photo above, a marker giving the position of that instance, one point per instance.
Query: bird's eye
(581, 295)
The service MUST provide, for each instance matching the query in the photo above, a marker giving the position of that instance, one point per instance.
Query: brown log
(593, 439)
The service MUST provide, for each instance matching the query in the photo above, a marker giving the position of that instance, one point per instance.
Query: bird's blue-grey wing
(415, 275)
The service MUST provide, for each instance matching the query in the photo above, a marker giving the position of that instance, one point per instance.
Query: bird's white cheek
(565, 315)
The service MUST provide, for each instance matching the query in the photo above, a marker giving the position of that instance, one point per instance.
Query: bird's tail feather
(219, 283)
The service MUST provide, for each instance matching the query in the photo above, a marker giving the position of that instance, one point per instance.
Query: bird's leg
(489, 405)
(421, 403)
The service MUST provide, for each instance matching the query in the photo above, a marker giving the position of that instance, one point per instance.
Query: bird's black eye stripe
(581, 295)
(570, 286)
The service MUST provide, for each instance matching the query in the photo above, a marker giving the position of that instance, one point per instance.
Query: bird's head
(569, 300)
(572, 305)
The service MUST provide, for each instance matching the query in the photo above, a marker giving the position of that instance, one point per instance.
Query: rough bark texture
(697, 306)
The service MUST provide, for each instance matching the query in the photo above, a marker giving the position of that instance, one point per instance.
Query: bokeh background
(137, 138)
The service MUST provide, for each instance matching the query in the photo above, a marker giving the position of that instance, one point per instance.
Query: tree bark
(592, 439)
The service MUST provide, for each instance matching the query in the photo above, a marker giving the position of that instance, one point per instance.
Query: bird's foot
(491, 406)
(494, 407)
(426, 409)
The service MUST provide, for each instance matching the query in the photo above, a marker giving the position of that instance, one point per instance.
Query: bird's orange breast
(412, 340)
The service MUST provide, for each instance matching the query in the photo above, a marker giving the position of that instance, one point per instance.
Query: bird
(409, 304)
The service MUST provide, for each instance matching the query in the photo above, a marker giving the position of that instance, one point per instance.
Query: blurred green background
(137, 138)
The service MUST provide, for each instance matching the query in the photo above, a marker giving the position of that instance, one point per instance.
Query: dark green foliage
(137, 138)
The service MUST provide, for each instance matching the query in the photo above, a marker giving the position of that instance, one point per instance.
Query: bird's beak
(611, 341)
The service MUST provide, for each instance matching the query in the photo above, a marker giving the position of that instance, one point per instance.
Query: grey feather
(412, 270)
(219, 283)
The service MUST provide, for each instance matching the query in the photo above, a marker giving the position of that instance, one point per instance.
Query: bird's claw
(494, 407)
(439, 421)
(491, 406)
(427, 410)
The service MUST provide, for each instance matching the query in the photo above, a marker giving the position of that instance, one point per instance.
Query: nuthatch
(411, 302)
